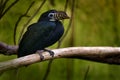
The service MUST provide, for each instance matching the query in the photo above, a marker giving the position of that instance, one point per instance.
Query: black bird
(42, 34)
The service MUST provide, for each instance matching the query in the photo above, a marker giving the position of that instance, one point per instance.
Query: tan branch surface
(110, 55)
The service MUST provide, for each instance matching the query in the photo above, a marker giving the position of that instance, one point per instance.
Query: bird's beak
(61, 15)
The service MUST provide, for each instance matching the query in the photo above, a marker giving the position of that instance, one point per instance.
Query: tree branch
(109, 55)
(7, 49)
(19, 19)
(8, 8)
(40, 7)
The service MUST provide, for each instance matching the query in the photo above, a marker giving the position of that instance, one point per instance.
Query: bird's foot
(40, 53)
(51, 52)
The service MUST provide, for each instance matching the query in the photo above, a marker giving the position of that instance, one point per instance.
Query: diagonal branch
(8, 8)
(19, 19)
(39, 8)
(7, 49)
(109, 55)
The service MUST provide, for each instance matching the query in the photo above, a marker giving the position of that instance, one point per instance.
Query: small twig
(52, 2)
(66, 5)
(86, 73)
(70, 22)
(8, 8)
(2, 5)
(48, 70)
(31, 18)
(19, 19)
(60, 41)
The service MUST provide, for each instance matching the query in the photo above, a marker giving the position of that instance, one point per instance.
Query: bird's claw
(41, 56)
(40, 53)
(51, 52)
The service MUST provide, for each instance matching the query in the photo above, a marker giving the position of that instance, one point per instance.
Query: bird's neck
(49, 20)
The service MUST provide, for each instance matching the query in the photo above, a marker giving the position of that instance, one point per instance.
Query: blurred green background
(94, 23)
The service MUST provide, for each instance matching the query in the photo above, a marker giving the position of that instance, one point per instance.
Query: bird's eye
(51, 15)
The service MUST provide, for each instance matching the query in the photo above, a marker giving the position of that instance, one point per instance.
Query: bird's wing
(36, 33)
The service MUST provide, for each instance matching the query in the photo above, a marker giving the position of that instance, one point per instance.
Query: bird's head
(53, 15)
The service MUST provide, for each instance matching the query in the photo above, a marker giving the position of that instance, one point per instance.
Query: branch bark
(8, 49)
(109, 55)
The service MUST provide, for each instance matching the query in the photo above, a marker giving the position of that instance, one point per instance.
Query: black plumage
(42, 34)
